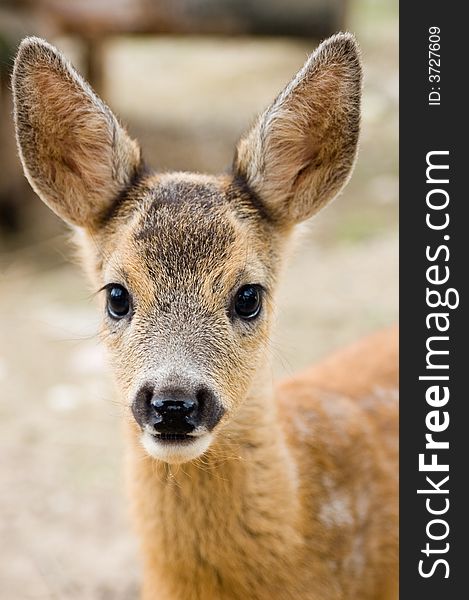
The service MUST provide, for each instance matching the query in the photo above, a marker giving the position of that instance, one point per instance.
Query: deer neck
(235, 505)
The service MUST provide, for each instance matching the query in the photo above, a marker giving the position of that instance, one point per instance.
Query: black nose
(170, 411)
(173, 413)
(177, 408)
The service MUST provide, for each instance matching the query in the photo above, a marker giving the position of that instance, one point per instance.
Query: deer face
(187, 264)
(187, 280)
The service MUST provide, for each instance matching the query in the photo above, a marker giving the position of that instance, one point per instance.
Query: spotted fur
(292, 492)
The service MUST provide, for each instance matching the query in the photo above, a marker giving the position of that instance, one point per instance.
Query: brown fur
(70, 143)
(295, 494)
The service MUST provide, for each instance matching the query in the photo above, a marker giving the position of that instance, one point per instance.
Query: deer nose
(169, 411)
(177, 407)
(173, 415)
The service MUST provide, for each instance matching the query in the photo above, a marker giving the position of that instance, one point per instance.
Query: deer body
(259, 516)
(239, 490)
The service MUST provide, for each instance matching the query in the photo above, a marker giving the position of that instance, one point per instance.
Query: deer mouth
(175, 447)
(174, 437)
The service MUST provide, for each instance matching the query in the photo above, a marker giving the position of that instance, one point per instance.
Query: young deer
(239, 491)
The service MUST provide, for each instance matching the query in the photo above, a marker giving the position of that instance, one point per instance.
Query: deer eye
(118, 301)
(248, 301)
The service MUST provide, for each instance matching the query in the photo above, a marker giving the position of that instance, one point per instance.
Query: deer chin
(175, 449)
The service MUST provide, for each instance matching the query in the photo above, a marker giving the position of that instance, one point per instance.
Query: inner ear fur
(75, 154)
(301, 150)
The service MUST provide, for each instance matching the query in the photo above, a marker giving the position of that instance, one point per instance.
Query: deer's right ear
(75, 154)
(301, 150)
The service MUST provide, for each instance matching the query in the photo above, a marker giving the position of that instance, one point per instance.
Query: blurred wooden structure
(93, 21)
(273, 17)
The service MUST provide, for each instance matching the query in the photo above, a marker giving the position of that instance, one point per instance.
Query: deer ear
(75, 154)
(301, 150)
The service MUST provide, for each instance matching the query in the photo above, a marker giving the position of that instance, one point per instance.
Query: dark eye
(248, 301)
(118, 301)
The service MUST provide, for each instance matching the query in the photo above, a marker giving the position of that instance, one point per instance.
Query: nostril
(202, 394)
(210, 409)
(141, 405)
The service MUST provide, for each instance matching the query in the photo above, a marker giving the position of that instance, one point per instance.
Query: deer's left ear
(75, 154)
(301, 150)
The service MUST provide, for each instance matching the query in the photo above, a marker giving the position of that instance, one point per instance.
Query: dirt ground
(64, 531)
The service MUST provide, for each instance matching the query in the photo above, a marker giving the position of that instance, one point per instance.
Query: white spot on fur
(336, 511)
(304, 425)
(362, 505)
(355, 561)
(333, 405)
(381, 396)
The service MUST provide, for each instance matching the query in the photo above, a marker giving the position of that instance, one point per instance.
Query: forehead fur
(183, 229)
(186, 223)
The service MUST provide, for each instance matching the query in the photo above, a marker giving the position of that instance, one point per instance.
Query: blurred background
(187, 76)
